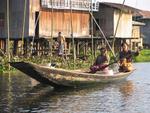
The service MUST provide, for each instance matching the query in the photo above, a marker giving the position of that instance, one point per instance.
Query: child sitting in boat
(125, 57)
(101, 63)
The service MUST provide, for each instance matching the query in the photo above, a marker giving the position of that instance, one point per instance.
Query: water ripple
(20, 94)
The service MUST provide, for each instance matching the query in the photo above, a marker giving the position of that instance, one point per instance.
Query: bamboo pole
(32, 43)
(118, 21)
(100, 30)
(52, 20)
(92, 33)
(8, 33)
(24, 22)
(73, 45)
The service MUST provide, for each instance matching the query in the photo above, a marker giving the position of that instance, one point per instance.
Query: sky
(140, 4)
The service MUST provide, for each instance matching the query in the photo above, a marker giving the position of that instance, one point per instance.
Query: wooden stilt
(5, 45)
(15, 50)
(72, 36)
(78, 48)
(38, 48)
(84, 48)
(94, 48)
(75, 53)
(8, 33)
(92, 51)
(0, 44)
(52, 20)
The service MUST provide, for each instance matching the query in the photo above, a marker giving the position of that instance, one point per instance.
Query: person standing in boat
(101, 61)
(61, 43)
(125, 57)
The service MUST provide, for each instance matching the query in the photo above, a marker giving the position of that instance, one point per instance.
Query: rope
(24, 22)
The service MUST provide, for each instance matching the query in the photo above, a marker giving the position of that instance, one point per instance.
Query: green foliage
(144, 56)
(66, 63)
(4, 65)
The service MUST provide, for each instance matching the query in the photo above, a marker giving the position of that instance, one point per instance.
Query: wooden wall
(125, 24)
(138, 41)
(108, 17)
(16, 15)
(33, 8)
(62, 23)
(61, 20)
(104, 18)
(3, 12)
(136, 31)
(145, 31)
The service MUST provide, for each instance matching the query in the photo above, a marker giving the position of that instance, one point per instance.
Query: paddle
(132, 53)
(102, 67)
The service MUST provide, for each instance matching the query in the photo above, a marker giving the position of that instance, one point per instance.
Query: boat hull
(68, 78)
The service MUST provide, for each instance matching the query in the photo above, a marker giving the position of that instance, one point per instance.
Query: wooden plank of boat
(61, 77)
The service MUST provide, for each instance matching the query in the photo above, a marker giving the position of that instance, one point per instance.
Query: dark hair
(102, 49)
(59, 32)
(124, 43)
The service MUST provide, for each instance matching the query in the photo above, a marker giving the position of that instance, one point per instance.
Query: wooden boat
(68, 78)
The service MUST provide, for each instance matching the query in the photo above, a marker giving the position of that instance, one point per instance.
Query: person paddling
(101, 61)
(125, 57)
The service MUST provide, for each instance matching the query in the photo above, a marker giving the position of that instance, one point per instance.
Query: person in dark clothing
(101, 61)
(125, 57)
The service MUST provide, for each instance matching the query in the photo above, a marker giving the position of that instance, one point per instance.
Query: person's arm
(107, 58)
(135, 53)
(57, 39)
(64, 39)
(131, 54)
(96, 61)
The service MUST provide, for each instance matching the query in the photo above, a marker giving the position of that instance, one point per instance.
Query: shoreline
(143, 57)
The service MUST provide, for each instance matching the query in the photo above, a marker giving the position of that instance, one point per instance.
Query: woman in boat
(61, 43)
(125, 57)
(101, 62)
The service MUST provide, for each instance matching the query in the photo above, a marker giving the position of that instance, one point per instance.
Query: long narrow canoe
(68, 78)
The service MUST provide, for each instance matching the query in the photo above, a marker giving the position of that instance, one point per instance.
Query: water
(20, 94)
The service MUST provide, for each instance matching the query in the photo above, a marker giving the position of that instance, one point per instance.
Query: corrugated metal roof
(145, 14)
(136, 23)
(84, 5)
(120, 6)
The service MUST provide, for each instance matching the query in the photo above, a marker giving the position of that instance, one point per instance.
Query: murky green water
(20, 94)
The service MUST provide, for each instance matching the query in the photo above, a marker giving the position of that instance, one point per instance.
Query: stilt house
(40, 19)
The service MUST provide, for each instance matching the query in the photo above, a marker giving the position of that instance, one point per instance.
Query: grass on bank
(144, 56)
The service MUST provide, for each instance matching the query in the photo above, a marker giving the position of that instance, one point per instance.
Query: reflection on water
(127, 88)
(21, 94)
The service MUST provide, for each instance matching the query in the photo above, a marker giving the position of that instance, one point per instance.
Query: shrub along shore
(60, 62)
